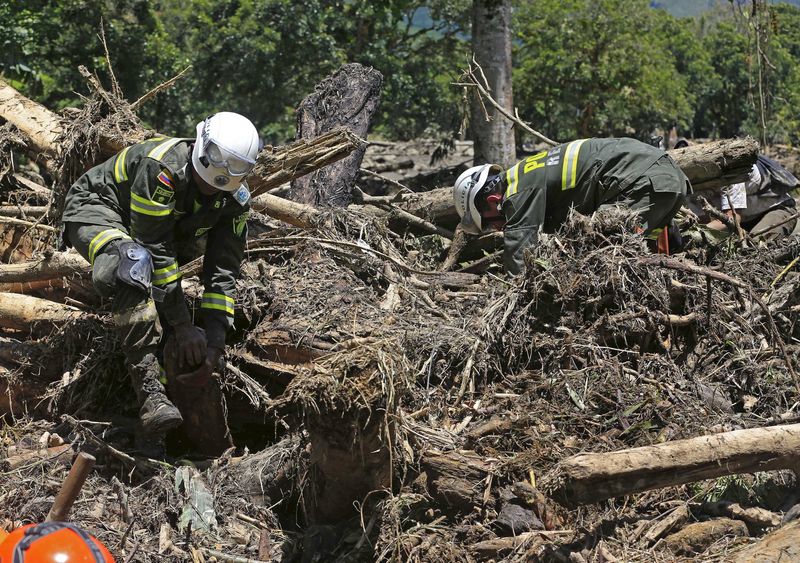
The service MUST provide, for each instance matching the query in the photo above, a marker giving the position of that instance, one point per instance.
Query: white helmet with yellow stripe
(466, 189)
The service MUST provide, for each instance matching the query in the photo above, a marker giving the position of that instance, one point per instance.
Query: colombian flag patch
(165, 178)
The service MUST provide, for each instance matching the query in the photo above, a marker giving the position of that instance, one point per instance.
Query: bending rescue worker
(132, 216)
(536, 194)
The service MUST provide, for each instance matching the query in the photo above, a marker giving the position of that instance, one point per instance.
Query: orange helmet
(53, 542)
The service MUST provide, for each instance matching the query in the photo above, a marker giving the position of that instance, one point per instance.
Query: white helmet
(466, 188)
(225, 150)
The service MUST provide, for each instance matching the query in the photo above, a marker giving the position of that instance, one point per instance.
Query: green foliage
(258, 57)
(581, 67)
(587, 68)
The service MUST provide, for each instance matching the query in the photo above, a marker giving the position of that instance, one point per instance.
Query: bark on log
(294, 213)
(42, 126)
(589, 478)
(54, 266)
(277, 165)
(781, 545)
(696, 538)
(22, 211)
(457, 478)
(22, 312)
(716, 164)
(348, 98)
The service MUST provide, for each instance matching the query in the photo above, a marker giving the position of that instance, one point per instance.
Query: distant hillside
(691, 8)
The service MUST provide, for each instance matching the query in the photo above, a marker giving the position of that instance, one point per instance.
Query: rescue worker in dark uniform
(536, 194)
(131, 216)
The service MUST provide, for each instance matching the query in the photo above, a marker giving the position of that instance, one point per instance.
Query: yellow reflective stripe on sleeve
(512, 180)
(166, 275)
(149, 207)
(161, 149)
(101, 239)
(120, 170)
(217, 301)
(569, 167)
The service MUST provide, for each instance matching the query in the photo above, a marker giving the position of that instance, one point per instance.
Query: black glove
(202, 375)
(191, 343)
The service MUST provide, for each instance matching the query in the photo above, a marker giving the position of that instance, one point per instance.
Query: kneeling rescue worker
(537, 193)
(132, 216)
(53, 542)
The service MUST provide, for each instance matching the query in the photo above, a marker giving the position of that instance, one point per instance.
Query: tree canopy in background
(581, 67)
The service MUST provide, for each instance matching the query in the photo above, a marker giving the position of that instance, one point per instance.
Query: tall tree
(491, 43)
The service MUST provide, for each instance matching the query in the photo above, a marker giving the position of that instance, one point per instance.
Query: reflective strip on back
(569, 166)
(120, 170)
(161, 149)
(512, 180)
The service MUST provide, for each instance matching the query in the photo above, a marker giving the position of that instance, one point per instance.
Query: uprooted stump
(348, 98)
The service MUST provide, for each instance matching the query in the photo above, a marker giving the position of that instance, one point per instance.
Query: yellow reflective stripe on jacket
(569, 167)
(512, 180)
(217, 301)
(161, 149)
(166, 275)
(149, 207)
(101, 239)
(120, 170)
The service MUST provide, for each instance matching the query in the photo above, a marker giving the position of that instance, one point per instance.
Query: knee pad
(135, 265)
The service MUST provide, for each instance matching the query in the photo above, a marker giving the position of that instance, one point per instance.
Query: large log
(55, 265)
(348, 98)
(589, 478)
(22, 312)
(780, 545)
(716, 164)
(42, 126)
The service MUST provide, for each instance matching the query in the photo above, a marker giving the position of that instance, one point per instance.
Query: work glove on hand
(191, 343)
(202, 375)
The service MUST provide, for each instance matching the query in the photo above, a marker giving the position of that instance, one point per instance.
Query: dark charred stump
(347, 98)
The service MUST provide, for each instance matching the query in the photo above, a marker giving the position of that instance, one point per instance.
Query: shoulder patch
(164, 191)
(165, 178)
(242, 195)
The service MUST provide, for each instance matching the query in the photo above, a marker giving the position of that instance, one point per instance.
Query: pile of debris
(392, 398)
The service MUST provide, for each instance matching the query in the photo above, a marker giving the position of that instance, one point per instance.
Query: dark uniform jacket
(147, 191)
(584, 174)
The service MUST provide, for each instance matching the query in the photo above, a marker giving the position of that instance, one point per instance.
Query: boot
(157, 414)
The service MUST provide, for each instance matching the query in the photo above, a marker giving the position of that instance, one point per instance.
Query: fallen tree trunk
(589, 478)
(782, 544)
(54, 266)
(716, 164)
(297, 214)
(41, 126)
(21, 312)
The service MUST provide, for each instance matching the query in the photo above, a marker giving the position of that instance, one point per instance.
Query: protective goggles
(217, 155)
